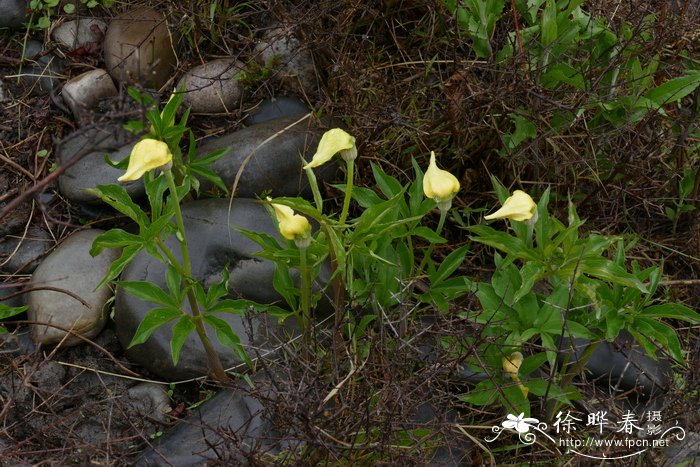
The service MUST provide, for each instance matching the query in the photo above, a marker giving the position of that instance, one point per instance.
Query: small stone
(139, 48)
(213, 87)
(71, 35)
(71, 268)
(12, 13)
(152, 400)
(20, 253)
(84, 92)
(291, 64)
(91, 169)
(38, 69)
(198, 438)
(276, 107)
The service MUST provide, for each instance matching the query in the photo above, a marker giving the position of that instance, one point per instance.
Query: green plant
(8, 312)
(45, 9)
(686, 187)
(555, 284)
(169, 178)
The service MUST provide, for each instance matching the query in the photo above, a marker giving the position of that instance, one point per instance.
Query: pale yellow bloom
(439, 184)
(147, 154)
(292, 226)
(332, 142)
(511, 365)
(518, 207)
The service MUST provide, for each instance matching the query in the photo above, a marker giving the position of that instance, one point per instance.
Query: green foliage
(555, 282)
(45, 9)
(9, 312)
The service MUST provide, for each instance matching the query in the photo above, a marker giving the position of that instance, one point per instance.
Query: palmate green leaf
(118, 265)
(180, 332)
(149, 292)
(227, 337)
(154, 319)
(501, 241)
(117, 197)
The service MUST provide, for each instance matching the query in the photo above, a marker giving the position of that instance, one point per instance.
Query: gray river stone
(276, 107)
(225, 428)
(39, 69)
(214, 243)
(289, 60)
(276, 161)
(12, 13)
(275, 164)
(213, 87)
(73, 34)
(623, 365)
(82, 93)
(21, 254)
(92, 170)
(70, 267)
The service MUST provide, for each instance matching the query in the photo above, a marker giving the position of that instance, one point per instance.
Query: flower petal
(332, 142)
(518, 207)
(291, 225)
(439, 184)
(147, 154)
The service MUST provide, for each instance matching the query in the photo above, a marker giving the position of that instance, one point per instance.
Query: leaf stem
(305, 300)
(350, 164)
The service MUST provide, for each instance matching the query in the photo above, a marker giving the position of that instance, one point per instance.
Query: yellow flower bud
(439, 184)
(146, 155)
(518, 207)
(292, 226)
(332, 142)
(511, 365)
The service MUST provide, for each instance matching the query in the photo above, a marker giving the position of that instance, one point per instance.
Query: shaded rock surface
(90, 169)
(214, 244)
(83, 92)
(12, 13)
(276, 157)
(70, 268)
(224, 428)
(139, 48)
(290, 62)
(276, 107)
(40, 69)
(20, 253)
(151, 399)
(213, 87)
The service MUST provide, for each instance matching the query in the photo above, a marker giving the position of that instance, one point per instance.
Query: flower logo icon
(521, 424)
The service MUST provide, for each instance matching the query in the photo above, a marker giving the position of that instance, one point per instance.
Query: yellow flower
(292, 226)
(511, 365)
(519, 207)
(146, 155)
(439, 184)
(332, 142)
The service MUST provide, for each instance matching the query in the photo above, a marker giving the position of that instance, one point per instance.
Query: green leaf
(449, 265)
(501, 241)
(227, 336)
(387, 184)
(117, 197)
(173, 280)
(153, 320)
(428, 234)
(10, 311)
(149, 292)
(114, 238)
(674, 89)
(672, 311)
(180, 332)
(155, 189)
(118, 265)
(549, 23)
(605, 269)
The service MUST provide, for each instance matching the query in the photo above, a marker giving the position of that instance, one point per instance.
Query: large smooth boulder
(214, 244)
(71, 272)
(139, 48)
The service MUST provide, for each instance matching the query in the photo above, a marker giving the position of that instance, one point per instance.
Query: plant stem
(569, 375)
(305, 299)
(441, 224)
(348, 191)
(215, 367)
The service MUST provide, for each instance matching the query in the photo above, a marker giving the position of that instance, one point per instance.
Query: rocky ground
(268, 78)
